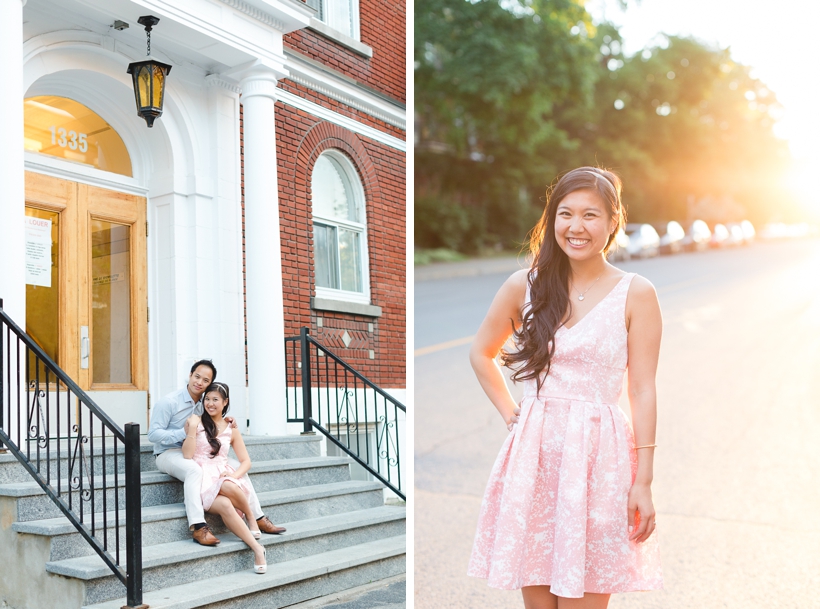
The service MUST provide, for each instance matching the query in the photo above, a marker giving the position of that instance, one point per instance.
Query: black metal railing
(326, 393)
(86, 464)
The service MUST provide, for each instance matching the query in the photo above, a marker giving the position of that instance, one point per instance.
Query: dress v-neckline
(597, 304)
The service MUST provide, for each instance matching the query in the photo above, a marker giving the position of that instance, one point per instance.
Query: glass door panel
(110, 303)
(42, 235)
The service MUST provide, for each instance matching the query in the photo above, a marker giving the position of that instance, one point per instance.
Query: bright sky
(778, 38)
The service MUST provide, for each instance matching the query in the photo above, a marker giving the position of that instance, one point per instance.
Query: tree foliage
(510, 94)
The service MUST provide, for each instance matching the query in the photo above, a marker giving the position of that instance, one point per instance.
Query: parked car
(735, 234)
(619, 250)
(644, 241)
(697, 236)
(720, 236)
(671, 234)
(749, 231)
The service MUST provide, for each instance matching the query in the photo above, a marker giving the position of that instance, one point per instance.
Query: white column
(12, 201)
(263, 259)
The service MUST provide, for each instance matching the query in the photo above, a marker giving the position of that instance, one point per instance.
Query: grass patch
(423, 257)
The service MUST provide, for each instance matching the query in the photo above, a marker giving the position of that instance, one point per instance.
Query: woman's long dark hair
(549, 306)
(208, 422)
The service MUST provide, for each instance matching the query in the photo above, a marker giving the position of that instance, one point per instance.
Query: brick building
(272, 190)
(269, 196)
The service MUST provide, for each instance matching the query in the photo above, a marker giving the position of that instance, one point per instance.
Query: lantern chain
(148, 32)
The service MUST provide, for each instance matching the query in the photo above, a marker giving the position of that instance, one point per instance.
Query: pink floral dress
(213, 467)
(555, 509)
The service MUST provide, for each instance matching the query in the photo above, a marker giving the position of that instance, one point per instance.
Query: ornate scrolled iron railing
(86, 463)
(326, 393)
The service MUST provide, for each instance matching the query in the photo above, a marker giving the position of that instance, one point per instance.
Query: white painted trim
(84, 174)
(291, 99)
(285, 16)
(342, 295)
(357, 21)
(324, 82)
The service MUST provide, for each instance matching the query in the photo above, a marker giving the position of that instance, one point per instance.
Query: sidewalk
(468, 268)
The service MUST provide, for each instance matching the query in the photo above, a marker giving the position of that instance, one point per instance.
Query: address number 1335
(69, 139)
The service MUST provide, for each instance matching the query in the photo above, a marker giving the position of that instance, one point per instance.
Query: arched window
(62, 127)
(339, 230)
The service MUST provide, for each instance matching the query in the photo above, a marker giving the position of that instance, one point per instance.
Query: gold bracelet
(646, 446)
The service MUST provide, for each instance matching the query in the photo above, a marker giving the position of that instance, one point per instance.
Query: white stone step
(159, 488)
(164, 523)
(181, 562)
(285, 583)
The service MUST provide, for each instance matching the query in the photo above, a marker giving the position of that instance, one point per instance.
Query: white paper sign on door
(38, 252)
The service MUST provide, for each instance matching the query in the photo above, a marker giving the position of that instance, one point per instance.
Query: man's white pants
(188, 472)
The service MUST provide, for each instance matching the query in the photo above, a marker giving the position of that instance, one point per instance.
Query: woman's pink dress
(555, 508)
(212, 468)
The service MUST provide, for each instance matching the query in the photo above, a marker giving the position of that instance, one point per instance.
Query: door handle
(85, 347)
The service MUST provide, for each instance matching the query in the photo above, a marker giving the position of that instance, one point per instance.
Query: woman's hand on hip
(513, 421)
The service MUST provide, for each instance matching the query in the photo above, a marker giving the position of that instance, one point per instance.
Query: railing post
(307, 397)
(2, 376)
(133, 518)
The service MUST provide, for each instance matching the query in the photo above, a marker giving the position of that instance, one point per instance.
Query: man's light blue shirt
(168, 418)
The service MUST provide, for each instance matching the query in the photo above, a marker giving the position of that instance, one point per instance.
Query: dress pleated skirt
(555, 508)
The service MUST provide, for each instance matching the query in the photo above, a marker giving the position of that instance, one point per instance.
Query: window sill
(343, 306)
(336, 36)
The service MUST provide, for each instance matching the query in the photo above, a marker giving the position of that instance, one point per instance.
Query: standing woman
(567, 515)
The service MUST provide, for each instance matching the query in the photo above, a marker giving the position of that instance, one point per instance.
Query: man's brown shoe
(204, 537)
(266, 526)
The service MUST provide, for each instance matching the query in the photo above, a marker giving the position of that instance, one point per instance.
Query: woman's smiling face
(582, 225)
(214, 404)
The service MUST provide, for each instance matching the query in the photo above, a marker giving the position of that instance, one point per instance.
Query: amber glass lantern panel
(62, 127)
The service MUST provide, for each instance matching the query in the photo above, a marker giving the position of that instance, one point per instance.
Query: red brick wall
(301, 138)
(383, 28)
(341, 108)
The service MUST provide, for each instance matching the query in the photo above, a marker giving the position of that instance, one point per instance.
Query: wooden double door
(86, 288)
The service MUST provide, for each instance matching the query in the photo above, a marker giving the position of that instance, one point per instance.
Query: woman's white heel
(256, 534)
(261, 569)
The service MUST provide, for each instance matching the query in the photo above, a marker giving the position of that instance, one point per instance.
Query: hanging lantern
(149, 79)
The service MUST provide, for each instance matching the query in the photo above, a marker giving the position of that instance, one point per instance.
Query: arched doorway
(86, 259)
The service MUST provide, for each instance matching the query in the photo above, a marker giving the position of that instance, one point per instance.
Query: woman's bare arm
(644, 324)
(189, 444)
(494, 331)
(241, 453)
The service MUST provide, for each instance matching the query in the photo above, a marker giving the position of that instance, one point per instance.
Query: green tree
(495, 88)
(508, 95)
(684, 122)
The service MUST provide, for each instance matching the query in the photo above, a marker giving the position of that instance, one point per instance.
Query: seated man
(167, 433)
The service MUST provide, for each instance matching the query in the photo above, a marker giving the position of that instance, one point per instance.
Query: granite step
(181, 562)
(165, 523)
(260, 448)
(159, 488)
(284, 584)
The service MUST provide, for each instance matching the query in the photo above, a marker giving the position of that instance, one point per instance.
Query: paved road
(737, 479)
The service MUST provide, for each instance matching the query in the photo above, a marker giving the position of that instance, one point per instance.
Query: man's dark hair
(205, 362)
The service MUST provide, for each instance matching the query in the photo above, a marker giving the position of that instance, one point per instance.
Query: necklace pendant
(580, 296)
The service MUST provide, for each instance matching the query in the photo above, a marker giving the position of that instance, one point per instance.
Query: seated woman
(207, 442)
